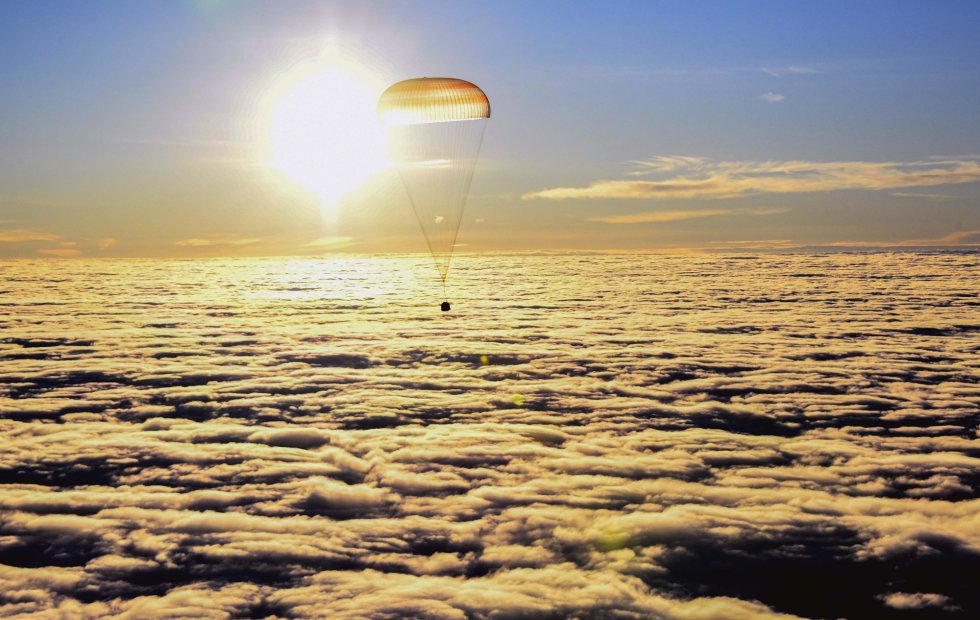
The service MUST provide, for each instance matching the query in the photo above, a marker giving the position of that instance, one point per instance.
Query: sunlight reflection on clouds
(614, 436)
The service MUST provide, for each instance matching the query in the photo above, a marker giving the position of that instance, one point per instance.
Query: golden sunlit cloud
(328, 243)
(759, 244)
(20, 236)
(197, 242)
(918, 600)
(62, 252)
(673, 216)
(693, 177)
(961, 239)
(964, 238)
(321, 125)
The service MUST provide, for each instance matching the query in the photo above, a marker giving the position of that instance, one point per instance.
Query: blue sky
(128, 127)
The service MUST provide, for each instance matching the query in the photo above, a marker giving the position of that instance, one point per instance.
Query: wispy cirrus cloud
(966, 239)
(923, 196)
(27, 241)
(328, 243)
(21, 235)
(668, 163)
(62, 252)
(958, 238)
(231, 244)
(674, 216)
(660, 216)
(753, 244)
(200, 242)
(780, 72)
(599, 71)
(695, 177)
(961, 237)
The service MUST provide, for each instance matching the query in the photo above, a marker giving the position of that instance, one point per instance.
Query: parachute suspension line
(464, 141)
(435, 134)
(436, 164)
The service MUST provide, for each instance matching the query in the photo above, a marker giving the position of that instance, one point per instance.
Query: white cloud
(690, 177)
(772, 97)
(285, 443)
(779, 72)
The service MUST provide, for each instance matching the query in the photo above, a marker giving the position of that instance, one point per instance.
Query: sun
(323, 130)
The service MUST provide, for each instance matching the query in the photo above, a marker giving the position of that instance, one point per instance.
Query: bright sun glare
(323, 130)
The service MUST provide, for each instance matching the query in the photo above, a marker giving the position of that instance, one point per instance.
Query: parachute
(435, 128)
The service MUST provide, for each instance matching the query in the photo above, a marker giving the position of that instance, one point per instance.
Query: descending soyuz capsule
(435, 128)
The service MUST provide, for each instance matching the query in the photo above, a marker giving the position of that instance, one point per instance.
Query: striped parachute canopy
(432, 100)
(435, 128)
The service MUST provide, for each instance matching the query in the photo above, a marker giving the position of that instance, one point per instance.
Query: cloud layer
(693, 177)
(583, 436)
